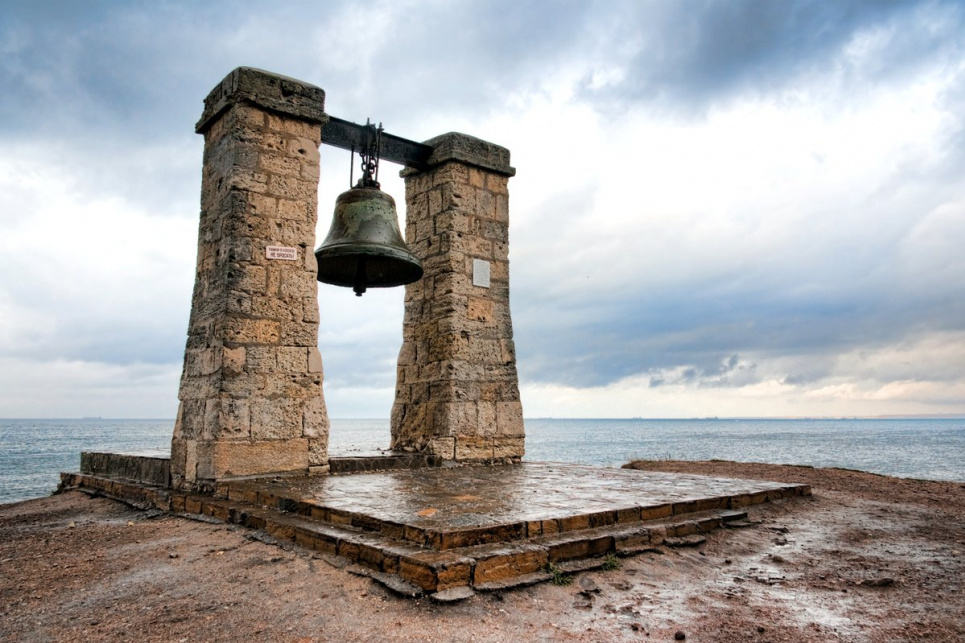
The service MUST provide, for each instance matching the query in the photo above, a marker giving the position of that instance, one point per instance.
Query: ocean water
(34, 452)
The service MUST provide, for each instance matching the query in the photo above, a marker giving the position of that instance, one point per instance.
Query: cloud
(914, 377)
(89, 276)
(73, 388)
(719, 206)
(688, 57)
(766, 227)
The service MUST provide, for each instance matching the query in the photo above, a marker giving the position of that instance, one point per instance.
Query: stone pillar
(251, 389)
(457, 390)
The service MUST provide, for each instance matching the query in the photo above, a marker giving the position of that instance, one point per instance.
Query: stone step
(416, 568)
(382, 461)
(289, 499)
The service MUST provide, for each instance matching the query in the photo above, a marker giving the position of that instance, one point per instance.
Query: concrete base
(481, 527)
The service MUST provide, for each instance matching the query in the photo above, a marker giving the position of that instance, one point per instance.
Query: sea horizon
(34, 451)
(911, 416)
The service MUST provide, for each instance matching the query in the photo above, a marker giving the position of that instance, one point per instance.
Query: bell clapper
(359, 287)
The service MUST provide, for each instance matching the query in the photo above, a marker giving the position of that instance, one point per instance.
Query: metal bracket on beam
(347, 135)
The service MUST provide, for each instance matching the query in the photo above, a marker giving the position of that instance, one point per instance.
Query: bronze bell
(364, 247)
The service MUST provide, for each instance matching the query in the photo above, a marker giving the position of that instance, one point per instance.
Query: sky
(740, 208)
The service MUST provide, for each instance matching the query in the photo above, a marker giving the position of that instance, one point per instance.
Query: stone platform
(453, 530)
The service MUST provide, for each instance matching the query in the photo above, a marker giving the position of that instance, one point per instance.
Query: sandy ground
(867, 558)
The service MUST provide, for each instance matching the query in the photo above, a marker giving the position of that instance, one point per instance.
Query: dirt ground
(866, 558)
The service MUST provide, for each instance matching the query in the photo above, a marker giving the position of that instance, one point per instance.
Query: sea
(34, 452)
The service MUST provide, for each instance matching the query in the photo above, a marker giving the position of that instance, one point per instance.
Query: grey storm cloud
(638, 331)
(105, 95)
(690, 55)
(86, 66)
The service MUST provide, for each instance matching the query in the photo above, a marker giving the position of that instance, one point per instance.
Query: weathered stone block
(509, 447)
(452, 221)
(243, 385)
(251, 331)
(480, 310)
(318, 451)
(509, 564)
(485, 351)
(295, 333)
(240, 116)
(292, 359)
(418, 573)
(269, 456)
(275, 419)
(314, 361)
(269, 92)
(445, 447)
(656, 512)
(233, 360)
(684, 508)
(260, 359)
(634, 542)
(630, 514)
(234, 419)
(486, 418)
(459, 417)
(473, 447)
(509, 418)
(456, 574)
(315, 422)
(711, 504)
(573, 523)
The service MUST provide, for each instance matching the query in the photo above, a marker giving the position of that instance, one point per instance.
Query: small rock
(777, 558)
(760, 629)
(583, 601)
(739, 524)
(880, 582)
(173, 554)
(679, 635)
(453, 595)
(685, 541)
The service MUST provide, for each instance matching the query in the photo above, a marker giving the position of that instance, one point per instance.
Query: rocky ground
(866, 558)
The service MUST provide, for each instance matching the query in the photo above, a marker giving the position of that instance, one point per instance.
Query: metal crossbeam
(347, 135)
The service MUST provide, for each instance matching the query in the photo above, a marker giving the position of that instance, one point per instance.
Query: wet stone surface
(453, 499)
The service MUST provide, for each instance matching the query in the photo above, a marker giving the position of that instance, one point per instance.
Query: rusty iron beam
(346, 135)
